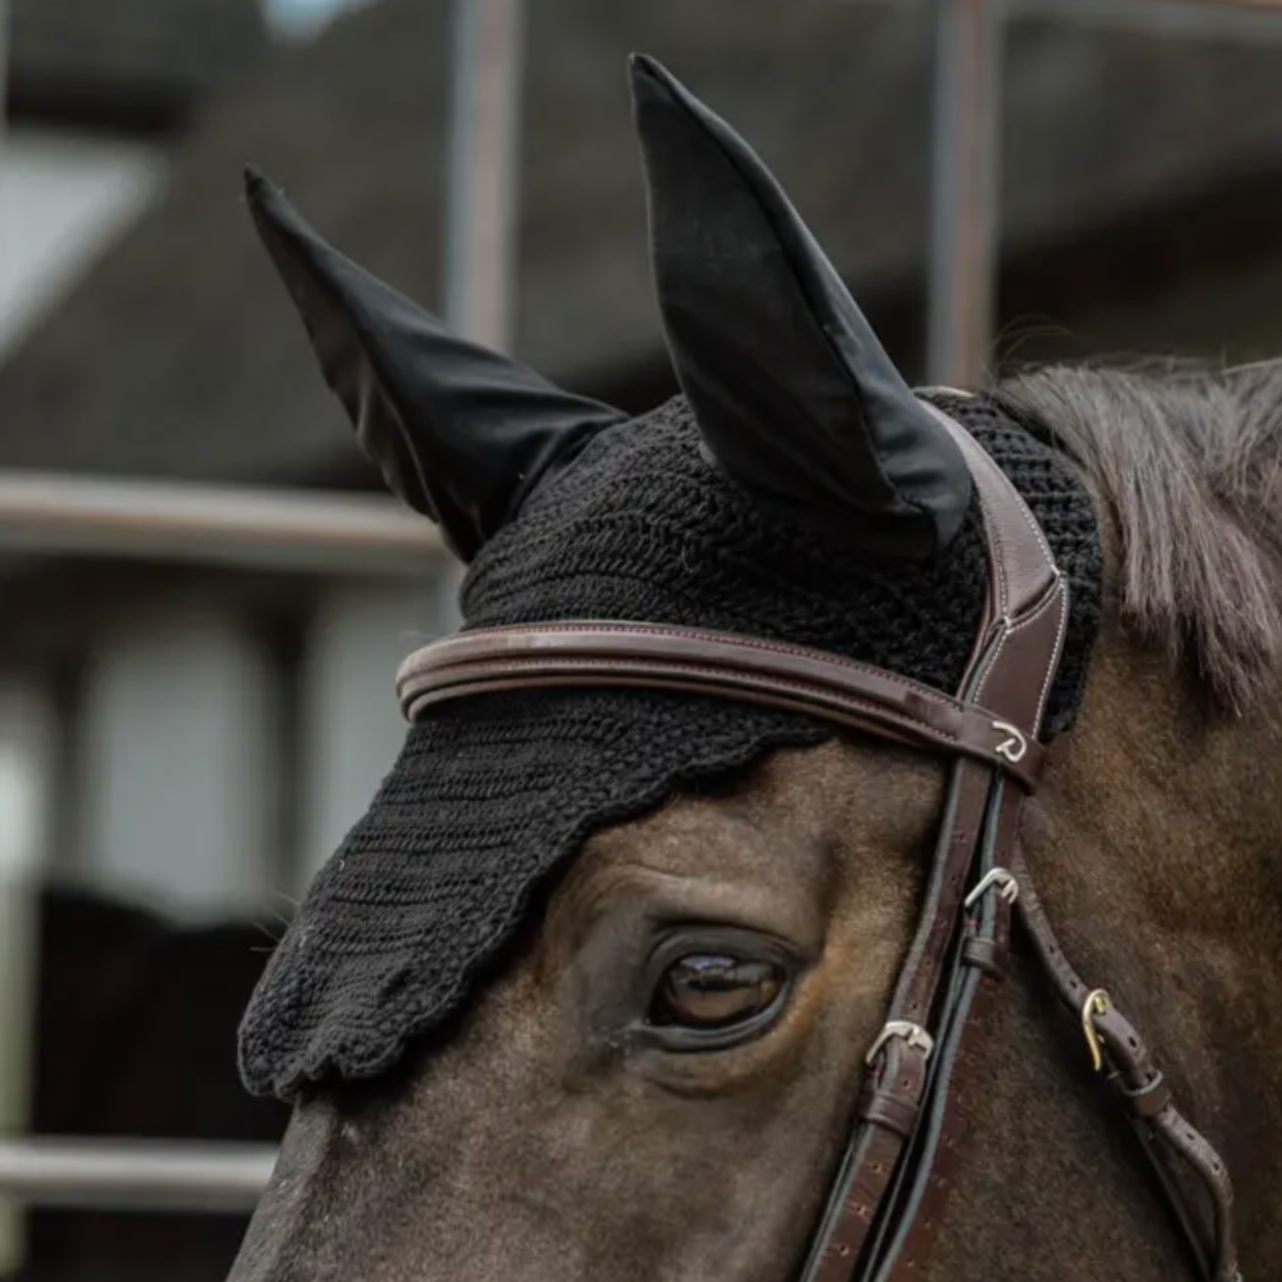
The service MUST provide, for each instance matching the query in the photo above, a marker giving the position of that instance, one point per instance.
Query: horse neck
(1156, 844)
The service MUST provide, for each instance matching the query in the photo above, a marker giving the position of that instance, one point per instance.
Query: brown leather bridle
(887, 1199)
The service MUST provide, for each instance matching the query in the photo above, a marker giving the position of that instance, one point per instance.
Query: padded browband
(718, 664)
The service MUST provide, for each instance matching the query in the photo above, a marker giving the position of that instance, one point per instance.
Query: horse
(703, 927)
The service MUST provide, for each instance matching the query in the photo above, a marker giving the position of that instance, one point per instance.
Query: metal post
(22, 802)
(480, 243)
(4, 69)
(26, 764)
(964, 196)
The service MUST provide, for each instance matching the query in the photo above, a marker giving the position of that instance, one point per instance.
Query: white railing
(219, 524)
(120, 1175)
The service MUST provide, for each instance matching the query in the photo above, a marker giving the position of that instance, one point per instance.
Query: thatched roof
(179, 355)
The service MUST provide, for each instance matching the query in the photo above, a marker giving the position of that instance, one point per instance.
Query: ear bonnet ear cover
(491, 797)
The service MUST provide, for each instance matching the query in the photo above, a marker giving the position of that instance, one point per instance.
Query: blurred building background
(182, 746)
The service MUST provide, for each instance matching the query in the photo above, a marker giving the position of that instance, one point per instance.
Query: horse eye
(709, 991)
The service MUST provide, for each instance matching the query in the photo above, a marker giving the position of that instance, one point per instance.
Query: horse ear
(460, 433)
(795, 397)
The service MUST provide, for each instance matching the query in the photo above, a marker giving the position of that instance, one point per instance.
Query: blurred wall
(64, 199)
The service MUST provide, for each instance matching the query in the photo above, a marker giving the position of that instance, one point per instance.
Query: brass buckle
(1097, 1002)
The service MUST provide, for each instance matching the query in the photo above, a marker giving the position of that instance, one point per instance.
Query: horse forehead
(778, 827)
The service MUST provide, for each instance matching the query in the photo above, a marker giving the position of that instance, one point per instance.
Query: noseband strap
(886, 1202)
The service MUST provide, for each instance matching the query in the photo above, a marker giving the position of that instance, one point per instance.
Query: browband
(719, 664)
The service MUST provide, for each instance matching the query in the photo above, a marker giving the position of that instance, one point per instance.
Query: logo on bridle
(1014, 745)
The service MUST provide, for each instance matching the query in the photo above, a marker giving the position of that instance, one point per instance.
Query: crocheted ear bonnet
(797, 491)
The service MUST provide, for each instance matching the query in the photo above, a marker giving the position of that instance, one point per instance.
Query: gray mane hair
(1185, 463)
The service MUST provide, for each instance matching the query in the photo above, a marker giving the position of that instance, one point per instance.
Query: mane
(1185, 463)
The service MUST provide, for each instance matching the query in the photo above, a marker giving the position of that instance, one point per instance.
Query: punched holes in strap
(1141, 1083)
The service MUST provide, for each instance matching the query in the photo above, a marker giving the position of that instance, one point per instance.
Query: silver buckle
(996, 877)
(914, 1034)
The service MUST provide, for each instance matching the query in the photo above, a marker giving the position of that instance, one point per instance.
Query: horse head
(701, 929)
